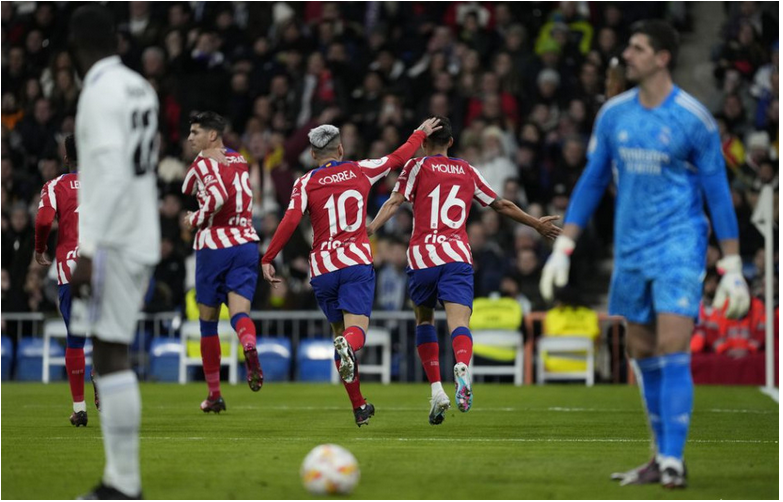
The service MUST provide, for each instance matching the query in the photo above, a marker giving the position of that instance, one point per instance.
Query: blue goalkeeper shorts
(350, 289)
(639, 295)
(223, 271)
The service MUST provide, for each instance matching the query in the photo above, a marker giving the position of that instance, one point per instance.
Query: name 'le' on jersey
(334, 195)
(61, 195)
(441, 190)
(225, 214)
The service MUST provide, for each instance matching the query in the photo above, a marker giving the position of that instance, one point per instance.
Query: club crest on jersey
(337, 178)
(448, 168)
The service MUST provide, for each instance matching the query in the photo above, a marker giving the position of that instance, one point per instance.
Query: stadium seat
(315, 360)
(29, 359)
(376, 337)
(495, 327)
(275, 356)
(165, 353)
(554, 345)
(7, 357)
(192, 330)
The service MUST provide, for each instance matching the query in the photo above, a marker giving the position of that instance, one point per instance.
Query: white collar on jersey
(98, 68)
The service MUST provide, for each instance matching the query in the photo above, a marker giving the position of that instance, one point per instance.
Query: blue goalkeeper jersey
(665, 162)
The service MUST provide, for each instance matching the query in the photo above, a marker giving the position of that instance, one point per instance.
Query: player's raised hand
(42, 259)
(429, 126)
(269, 274)
(547, 228)
(218, 154)
(555, 272)
(732, 293)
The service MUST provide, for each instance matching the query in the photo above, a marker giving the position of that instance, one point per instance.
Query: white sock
(437, 388)
(80, 406)
(120, 420)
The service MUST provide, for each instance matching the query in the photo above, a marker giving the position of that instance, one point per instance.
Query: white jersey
(116, 129)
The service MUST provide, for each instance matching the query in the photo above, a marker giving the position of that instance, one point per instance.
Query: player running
(59, 199)
(663, 150)
(440, 263)
(226, 250)
(342, 276)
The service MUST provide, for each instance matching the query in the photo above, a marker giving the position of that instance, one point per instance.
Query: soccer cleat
(464, 395)
(103, 492)
(643, 475)
(438, 406)
(79, 418)
(215, 406)
(255, 376)
(363, 414)
(673, 473)
(347, 359)
(95, 390)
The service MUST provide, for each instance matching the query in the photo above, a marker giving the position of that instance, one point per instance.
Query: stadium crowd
(520, 81)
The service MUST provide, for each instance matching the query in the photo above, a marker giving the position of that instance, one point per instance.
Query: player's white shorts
(118, 287)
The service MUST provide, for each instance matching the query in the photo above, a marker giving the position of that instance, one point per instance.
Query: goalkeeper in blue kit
(662, 150)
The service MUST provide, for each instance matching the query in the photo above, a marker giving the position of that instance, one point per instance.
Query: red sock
(462, 345)
(246, 331)
(430, 360)
(354, 335)
(354, 392)
(74, 365)
(210, 359)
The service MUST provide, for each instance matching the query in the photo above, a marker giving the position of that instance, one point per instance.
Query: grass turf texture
(532, 442)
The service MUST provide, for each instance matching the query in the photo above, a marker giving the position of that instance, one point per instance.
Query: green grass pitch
(552, 442)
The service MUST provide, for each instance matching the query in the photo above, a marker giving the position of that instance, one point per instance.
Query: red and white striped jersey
(224, 218)
(335, 195)
(61, 194)
(441, 190)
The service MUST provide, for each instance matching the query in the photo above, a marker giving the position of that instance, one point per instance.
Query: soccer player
(59, 199)
(662, 148)
(226, 250)
(119, 233)
(342, 276)
(441, 190)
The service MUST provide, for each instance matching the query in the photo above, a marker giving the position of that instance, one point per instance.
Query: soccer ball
(330, 469)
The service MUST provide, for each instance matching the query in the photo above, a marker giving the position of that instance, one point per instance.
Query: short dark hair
(442, 136)
(70, 149)
(93, 30)
(209, 120)
(662, 35)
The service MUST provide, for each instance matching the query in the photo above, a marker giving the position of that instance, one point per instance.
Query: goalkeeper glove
(555, 272)
(732, 288)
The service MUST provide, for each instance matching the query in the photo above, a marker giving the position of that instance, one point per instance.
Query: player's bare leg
(429, 353)
(238, 308)
(458, 318)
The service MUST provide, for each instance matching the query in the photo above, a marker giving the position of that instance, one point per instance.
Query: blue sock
(676, 403)
(208, 328)
(651, 382)
(426, 333)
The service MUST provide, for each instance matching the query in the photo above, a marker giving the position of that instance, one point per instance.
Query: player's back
(231, 224)
(335, 195)
(62, 195)
(441, 190)
(117, 120)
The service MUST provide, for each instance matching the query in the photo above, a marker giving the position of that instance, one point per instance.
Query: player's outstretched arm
(544, 225)
(43, 225)
(388, 210)
(283, 233)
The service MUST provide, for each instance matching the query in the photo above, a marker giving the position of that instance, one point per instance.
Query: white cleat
(347, 359)
(438, 405)
(464, 394)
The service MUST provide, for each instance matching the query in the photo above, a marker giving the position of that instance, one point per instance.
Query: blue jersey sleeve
(595, 178)
(708, 159)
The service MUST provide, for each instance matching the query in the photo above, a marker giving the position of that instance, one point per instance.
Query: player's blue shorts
(452, 282)
(350, 289)
(639, 295)
(220, 271)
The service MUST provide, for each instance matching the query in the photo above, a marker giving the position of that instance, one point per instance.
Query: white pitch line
(444, 440)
